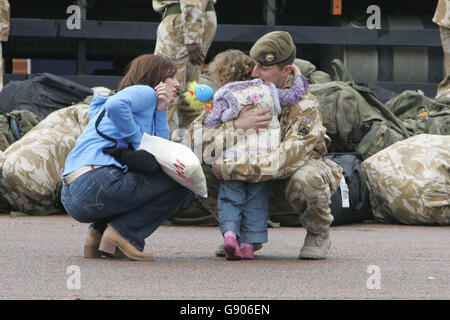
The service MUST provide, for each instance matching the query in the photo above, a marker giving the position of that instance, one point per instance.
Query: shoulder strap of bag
(104, 136)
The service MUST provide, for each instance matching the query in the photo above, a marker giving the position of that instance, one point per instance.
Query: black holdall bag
(350, 203)
(42, 93)
(136, 160)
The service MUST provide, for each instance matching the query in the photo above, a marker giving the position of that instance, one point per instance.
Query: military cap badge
(269, 57)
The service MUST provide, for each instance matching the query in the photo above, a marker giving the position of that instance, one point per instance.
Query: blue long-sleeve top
(129, 113)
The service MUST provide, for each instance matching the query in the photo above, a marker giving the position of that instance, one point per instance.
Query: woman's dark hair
(148, 69)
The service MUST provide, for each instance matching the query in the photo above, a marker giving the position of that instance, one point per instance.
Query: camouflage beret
(273, 48)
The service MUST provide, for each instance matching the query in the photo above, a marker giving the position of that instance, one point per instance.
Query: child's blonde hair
(231, 65)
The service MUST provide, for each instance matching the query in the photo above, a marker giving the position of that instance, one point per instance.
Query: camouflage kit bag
(345, 114)
(421, 114)
(310, 72)
(355, 119)
(31, 168)
(409, 182)
(410, 104)
(14, 125)
(380, 136)
(352, 123)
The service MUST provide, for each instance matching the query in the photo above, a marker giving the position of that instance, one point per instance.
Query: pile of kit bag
(394, 150)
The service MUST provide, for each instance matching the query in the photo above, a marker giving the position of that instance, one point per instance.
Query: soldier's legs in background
(189, 73)
(444, 86)
(192, 73)
(170, 44)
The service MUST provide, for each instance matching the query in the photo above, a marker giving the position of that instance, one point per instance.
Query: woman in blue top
(124, 207)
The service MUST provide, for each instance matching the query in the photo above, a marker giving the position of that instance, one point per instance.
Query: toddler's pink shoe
(231, 248)
(247, 252)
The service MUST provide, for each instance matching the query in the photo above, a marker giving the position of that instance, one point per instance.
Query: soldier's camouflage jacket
(442, 13)
(191, 14)
(303, 137)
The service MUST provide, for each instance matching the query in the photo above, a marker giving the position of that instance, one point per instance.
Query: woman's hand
(164, 96)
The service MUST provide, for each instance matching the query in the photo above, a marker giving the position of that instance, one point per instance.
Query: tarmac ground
(41, 258)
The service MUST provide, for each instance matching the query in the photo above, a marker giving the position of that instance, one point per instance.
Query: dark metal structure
(120, 30)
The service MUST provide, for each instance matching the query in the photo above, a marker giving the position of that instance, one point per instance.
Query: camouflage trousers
(444, 86)
(306, 193)
(309, 191)
(170, 44)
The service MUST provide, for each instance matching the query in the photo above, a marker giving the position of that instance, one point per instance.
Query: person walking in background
(184, 35)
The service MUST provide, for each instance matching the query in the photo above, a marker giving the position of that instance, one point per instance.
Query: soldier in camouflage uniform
(298, 167)
(442, 18)
(184, 36)
(4, 31)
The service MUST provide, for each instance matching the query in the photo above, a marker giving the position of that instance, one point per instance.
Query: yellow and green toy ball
(199, 96)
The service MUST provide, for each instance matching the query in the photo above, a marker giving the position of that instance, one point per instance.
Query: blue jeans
(134, 204)
(243, 208)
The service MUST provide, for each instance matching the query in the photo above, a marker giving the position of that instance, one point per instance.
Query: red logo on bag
(180, 168)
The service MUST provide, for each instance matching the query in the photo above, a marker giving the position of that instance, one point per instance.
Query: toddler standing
(243, 206)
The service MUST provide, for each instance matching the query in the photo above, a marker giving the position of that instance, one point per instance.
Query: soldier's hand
(195, 53)
(253, 119)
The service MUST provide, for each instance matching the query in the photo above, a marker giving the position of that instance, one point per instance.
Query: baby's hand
(296, 70)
